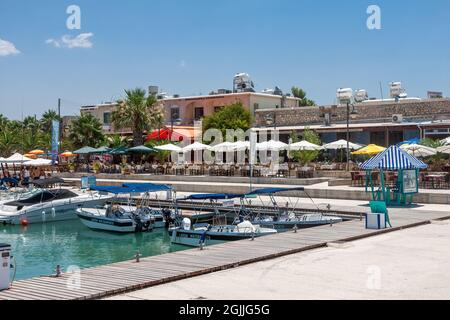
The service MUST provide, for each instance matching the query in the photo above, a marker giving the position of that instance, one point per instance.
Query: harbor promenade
(407, 264)
(128, 276)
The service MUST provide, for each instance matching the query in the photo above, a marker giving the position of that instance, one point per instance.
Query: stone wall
(424, 110)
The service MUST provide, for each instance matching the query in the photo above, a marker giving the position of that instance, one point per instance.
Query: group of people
(24, 175)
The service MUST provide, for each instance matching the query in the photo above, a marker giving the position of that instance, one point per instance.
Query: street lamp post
(352, 112)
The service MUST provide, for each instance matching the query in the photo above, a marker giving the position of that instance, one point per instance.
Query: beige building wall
(103, 113)
(190, 109)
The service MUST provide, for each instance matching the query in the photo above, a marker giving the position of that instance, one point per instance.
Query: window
(256, 106)
(107, 118)
(198, 113)
(175, 114)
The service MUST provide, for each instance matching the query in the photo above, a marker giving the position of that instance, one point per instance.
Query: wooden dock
(122, 277)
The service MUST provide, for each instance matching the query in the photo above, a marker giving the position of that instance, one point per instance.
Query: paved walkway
(407, 264)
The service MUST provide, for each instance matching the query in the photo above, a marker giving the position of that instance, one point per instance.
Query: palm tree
(138, 112)
(115, 141)
(3, 121)
(86, 130)
(47, 120)
(9, 140)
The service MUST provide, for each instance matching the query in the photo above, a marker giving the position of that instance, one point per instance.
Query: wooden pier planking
(125, 276)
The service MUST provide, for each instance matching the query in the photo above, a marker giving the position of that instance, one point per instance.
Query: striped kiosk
(394, 159)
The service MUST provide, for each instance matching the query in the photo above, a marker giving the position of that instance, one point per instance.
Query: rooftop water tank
(344, 95)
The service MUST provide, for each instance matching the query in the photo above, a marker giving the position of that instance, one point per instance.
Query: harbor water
(39, 248)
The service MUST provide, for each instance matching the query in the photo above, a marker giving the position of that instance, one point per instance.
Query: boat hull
(192, 237)
(105, 224)
(53, 211)
(289, 225)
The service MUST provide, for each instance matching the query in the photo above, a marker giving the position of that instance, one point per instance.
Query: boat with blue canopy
(201, 234)
(281, 217)
(135, 216)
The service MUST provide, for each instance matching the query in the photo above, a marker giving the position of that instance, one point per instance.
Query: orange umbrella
(30, 155)
(36, 152)
(67, 154)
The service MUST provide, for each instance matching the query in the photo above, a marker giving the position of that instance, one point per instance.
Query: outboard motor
(186, 224)
(167, 214)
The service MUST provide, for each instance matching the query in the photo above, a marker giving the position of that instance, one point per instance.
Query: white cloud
(83, 40)
(53, 42)
(7, 48)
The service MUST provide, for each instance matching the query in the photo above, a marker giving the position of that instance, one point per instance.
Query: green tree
(305, 156)
(47, 119)
(9, 140)
(115, 141)
(86, 130)
(3, 121)
(233, 116)
(428, 142)
(301, 94)
(138, 112)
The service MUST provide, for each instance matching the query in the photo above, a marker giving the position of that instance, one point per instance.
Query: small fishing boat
(119, 218)
(201, 234)
(279, 217)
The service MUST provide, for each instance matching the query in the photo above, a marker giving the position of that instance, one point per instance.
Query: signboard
(55, 141)
(87, 182)
(435, 94)
(409, 181)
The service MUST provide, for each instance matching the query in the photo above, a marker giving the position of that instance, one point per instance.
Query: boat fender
(53, 212)
(24, 222)
(43, 216)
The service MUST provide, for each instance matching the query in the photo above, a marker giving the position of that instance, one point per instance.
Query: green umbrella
(119, 151)
(102, 150)
(85, 150)
(142, 149)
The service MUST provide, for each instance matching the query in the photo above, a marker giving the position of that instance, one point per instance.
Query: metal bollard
(138, 256)
(201, 245)
(253, 236)
(58, 270)
(295, 229)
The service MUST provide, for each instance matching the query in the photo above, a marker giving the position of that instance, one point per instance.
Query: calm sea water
(38, 248)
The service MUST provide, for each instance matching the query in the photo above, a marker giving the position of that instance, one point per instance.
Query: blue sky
(194, 46)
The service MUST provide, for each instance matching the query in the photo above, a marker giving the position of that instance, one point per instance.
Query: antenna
(381, 91)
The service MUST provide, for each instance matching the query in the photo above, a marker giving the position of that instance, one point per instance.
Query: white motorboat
(206, 234)
(120, 218)
(115, 219)
(183, 232)
(46, 205)
(283, 218)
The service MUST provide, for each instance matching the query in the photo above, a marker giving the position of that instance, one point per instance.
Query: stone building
(383, 123)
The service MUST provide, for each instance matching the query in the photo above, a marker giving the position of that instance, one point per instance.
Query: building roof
(215, 96)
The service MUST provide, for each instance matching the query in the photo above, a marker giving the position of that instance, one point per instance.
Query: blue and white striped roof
(393, 158)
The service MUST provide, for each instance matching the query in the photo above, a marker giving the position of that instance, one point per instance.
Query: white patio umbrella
(272, 145)
(38, 162)
(304, 146)
(196, 146)
(169, 147)
(224, 147)
(418, 150)
(241, 145)
(16, 158)
(444, 149)
(446, 141)
(341, 144)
